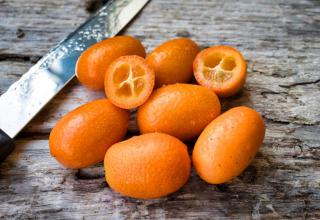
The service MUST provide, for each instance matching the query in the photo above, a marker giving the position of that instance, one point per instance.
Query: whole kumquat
(147, 166)
(228, 145)
(82, 137)
(172, 61)
(181, 110)
(93, 62)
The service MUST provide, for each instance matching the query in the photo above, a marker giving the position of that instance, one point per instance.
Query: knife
(26, 97)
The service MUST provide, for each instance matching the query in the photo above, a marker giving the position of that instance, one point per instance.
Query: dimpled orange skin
(82, 137)
(93, 62)
(228, 145)
(181, 110)
(147, 166)
(172, 61)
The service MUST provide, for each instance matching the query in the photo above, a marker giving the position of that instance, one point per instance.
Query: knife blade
(26, 97)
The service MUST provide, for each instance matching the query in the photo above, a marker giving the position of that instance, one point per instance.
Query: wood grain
(280, 41)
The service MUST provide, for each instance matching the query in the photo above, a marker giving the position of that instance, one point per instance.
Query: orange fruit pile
(169, 111)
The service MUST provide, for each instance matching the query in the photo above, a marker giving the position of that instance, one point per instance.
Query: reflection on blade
(25, 98)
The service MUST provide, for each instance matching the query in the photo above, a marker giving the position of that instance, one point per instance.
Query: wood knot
(183, 33)
(20, 33)
(92, 6)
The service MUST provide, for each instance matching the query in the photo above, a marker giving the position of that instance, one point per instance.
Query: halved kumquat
(221, 69)
(129, 81)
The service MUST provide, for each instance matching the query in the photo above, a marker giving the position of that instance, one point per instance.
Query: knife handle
(6, 145)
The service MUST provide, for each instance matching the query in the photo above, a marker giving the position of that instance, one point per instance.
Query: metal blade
(26, 97)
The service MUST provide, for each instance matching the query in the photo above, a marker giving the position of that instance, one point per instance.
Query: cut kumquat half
(129, 81)
(221, 69)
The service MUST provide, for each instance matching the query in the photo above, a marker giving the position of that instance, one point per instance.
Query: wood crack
(287, 122)
(277, 121)
(263, 93)
(300, 84)
(19, 57)
(84, 175)
(36, 135)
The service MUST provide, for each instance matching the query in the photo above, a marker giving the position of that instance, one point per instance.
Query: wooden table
(280, 41)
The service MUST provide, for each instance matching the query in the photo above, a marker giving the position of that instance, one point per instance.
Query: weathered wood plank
(43, 24)
(279, 39)
(11, 71)
(283, 181)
